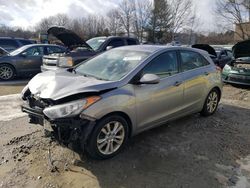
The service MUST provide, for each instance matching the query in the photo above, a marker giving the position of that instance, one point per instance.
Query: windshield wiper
(89, 75)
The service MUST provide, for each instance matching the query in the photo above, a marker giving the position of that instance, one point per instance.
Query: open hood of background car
(241, 49)
(59, 84)
(206, 47)
(68, 37)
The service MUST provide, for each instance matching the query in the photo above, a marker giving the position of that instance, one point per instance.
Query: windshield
(112, 65)
(95, 43)
(17, 51)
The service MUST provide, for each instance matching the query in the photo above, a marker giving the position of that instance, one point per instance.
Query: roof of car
(156, 48)
(31, 45)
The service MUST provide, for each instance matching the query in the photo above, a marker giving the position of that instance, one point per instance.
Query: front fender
(117, 100)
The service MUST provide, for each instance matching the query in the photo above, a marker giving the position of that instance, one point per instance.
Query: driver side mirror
(109, 47)
(149, 79)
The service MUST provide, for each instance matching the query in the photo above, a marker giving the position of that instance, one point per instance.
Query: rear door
(158, 102)
(31, 59)
(195, 72)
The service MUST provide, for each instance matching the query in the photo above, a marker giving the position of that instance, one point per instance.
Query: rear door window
(35, 51)
(131, 41)
(192, 60)
(116, 43)
(166, 64)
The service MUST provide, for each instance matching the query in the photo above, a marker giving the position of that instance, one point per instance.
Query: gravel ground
(191, 152)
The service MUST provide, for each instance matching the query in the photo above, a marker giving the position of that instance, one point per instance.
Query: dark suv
(79, 50)
(10, 44)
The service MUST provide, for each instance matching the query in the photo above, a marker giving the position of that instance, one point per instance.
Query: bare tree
(233, 12)
(61, 20)
(57, 20)
(181, 15)
(142, 13)
(126, 14)
(113, 21)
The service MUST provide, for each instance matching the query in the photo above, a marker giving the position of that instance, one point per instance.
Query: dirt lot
(191, 152)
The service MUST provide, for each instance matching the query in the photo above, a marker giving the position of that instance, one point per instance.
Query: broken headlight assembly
(70, 109)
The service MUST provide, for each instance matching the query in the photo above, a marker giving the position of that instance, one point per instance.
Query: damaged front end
(63, 118)
(237, 72)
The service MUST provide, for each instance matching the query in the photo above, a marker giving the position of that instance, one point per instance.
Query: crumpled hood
(59, 84)
(205, 47)
(68, 37)
(241, 49)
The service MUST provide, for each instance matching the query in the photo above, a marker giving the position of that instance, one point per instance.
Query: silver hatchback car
(104, 101)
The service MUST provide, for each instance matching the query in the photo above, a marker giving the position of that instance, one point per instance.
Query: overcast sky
(26, 13)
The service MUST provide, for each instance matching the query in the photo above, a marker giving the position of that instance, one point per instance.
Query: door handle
(206, 73)
(178, 83)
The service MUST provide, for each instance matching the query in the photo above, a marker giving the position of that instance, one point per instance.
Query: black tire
(7, 72)
(206, 109)
(92, 146)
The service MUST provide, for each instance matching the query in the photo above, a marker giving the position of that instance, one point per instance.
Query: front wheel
(211, 103)
(108, 137)
(6, 72)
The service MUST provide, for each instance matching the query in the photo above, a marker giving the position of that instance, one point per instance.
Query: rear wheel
(108, 137)
(211, 103)
(7, 72)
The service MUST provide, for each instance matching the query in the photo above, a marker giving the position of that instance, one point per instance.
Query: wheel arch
(218, 89)
(125, 116)
(14, 68)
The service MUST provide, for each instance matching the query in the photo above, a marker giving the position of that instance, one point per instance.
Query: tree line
(160, 21)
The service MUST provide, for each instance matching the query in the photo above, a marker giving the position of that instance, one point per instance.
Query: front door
(158, 102)
(32, 59)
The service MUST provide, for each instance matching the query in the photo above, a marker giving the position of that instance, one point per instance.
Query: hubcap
(110, 138)
(212, 102)
(5, 73)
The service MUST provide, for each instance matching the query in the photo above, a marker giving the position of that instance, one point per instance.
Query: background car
(26, 60)
(10, 44)
(238, 71)
(81, 50)
(122, 92)
(220, 56)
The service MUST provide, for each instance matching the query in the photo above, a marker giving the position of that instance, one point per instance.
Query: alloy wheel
(212, 102)
(110, 138)
(6, 73)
